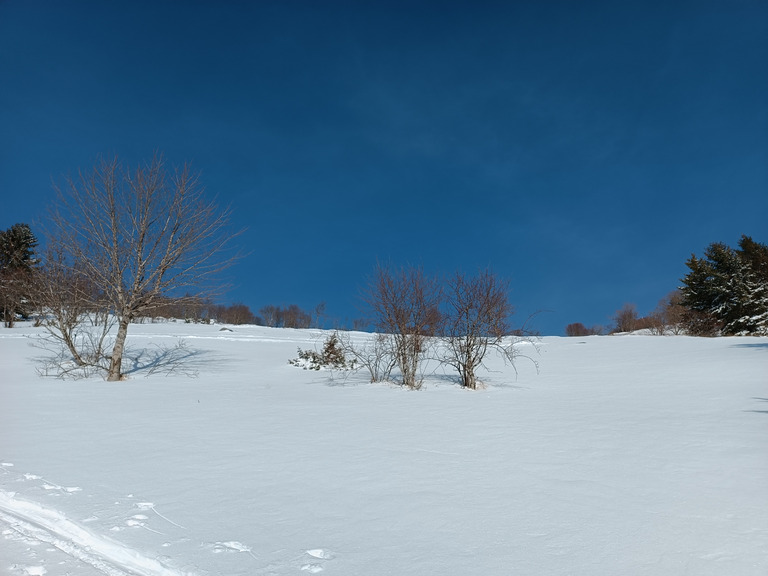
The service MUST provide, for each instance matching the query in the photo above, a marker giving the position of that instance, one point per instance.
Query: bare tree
(140, 236)
(291, 316)
(269, 315)
(655, 323)
(577, 329)
(626, 319)
(671, 312)
(319, 315)
(294, 317)
(237, 313)
(478, 319)
(405, 304)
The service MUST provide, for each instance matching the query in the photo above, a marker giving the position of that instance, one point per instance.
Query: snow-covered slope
(624, 455)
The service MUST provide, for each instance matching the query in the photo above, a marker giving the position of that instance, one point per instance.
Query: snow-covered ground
(625, 455)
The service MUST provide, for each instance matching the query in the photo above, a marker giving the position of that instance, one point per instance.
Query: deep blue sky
(582, 150)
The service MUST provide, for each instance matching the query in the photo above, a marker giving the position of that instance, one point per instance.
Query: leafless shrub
(269, 315)
(295, 317)
(319, 315)
(373, 353)
(73, 313)
(626, 318)
(291, 316)
(671, 313)
(405, 305)
(237, 313)
(577, 329)
(654, 323)
(477, 320)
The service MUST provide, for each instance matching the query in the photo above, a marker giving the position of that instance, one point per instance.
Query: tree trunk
(116, 362)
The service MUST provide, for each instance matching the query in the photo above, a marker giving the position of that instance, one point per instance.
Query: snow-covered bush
(330, 357)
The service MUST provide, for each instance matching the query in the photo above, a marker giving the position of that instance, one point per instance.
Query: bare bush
(269, 315)
(577, 329)
(295, 317)
(655, 323)
(291, 316)
(237, 313)
(477, 320)
(671, 313)
(405, 304)
(626, 318)
(374, 353)
(73, 313)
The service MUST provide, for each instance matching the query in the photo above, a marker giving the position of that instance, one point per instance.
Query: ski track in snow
(40, 524)
(35, 523)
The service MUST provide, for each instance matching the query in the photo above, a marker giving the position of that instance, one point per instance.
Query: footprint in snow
(66, 489)
(320, 554)
(50, 486)
(232, 546)
(137, 521)
(30, 570)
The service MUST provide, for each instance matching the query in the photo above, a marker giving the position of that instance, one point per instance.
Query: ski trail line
(42, 524)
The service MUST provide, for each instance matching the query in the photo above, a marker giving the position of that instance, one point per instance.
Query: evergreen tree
(17, 248)
(755, 258)
(17, 261)
(727, 291)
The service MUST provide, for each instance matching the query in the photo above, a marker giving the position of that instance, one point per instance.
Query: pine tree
(755, 258)
(697, 297)
(17, 248)
(727, 291)
(17, 262)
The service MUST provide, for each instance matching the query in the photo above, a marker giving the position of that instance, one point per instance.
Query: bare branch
(140, 237)
(405, 303)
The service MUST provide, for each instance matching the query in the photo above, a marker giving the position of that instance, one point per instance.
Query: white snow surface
(624, 455)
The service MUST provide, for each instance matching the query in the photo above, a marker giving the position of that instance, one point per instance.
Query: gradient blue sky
(582, 150)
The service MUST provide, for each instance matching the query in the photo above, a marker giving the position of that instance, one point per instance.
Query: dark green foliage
(726, 292)
(332, 356)
(17, 263)
(17, 248)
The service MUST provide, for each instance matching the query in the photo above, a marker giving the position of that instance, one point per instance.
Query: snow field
(624, 455)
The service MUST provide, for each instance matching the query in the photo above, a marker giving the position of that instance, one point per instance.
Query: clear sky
(583, 150)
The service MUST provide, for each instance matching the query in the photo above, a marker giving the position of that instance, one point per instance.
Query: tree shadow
(751, 345)
(177, 360)
(758, 411)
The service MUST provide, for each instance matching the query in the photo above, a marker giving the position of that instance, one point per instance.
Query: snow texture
(640, 455)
